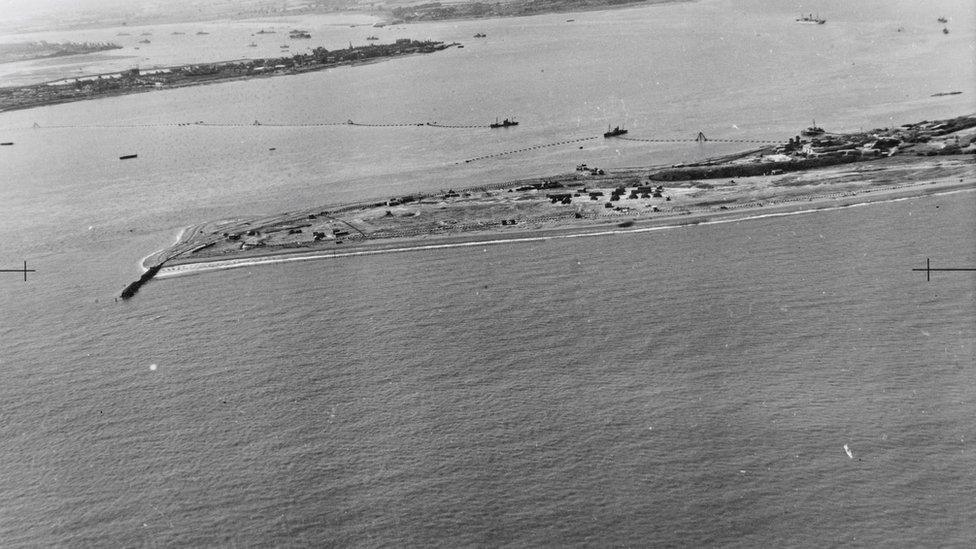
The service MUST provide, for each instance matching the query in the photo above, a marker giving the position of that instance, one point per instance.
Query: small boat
(503, 124)
(942, 20)
(811, 19)
(480, 35)
(299, 34)
(177, 33)
(201, 33)
(372, 38)
(128, 156)
(945, 30)
(262, 31)
(617, 131)
(6, 143)
(285, 46)
(813, 130)
(145, 41)
(252, 45)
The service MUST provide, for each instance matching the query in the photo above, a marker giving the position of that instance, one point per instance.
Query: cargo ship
(617, 131)
(811, 19)
(504, 123)
(813, 130)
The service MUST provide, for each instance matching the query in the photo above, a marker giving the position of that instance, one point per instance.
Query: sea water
(681, 387)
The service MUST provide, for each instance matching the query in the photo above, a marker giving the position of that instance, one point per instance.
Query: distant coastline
(137, 81)
(437, 11)
(26, 51)
(912, 160)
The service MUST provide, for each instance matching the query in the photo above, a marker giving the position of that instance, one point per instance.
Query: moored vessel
(813, 130)
(811, 19)
(503, 124)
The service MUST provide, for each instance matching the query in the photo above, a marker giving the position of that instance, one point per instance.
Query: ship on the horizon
(503, 124)
(813, 130)
(617, 131)
(811, 19)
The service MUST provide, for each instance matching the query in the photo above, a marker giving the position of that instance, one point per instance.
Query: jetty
(133, 288)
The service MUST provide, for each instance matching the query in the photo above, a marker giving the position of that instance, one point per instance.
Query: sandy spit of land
(473, 217)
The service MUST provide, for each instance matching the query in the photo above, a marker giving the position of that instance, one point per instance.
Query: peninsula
(805, 173)
(25, 51)
(136, 80)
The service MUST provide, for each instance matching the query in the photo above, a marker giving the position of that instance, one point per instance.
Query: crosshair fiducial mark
(929, 268)
(25, 270)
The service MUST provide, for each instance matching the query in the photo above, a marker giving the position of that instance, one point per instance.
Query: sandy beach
(476, 217)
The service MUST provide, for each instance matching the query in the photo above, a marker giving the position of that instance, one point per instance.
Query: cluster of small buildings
(638, 192)
(922, 138)
(591, 171)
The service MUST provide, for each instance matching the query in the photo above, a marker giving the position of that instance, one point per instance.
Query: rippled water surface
(692, 386)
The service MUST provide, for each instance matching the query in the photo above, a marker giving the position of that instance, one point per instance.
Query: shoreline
(191, 266)
(181, 76)
(507, 10)
(824, 172)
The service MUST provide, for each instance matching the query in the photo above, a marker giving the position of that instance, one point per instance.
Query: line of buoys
(759, 141)
(456, 126)
(526, 149)
(656, 140)
(392, 125)
(399, 125)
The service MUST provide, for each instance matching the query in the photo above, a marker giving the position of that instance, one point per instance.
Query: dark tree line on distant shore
(435, 10)
(23, 51)
(133, 80)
